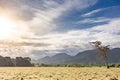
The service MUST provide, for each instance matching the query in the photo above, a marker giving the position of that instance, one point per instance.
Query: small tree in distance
(102, 50)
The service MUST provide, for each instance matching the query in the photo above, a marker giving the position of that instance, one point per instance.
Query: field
(59, 73)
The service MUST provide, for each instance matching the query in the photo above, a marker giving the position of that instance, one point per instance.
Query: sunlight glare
(6, 27)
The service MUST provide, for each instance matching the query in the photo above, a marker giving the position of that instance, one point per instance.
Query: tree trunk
(106, 62)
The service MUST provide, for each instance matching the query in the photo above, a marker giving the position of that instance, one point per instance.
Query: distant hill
(85, 57)
(58, 58)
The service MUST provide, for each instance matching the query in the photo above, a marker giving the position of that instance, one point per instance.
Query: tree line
(18, 62)
(115, 65)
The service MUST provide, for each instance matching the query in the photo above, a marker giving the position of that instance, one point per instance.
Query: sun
(6, 27)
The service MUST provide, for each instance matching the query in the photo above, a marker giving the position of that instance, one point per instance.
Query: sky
(38, 28)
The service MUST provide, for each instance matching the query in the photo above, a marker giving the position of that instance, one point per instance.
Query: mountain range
(85, 57)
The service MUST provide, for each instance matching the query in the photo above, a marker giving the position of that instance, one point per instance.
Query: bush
(117, 65)
(112, 65)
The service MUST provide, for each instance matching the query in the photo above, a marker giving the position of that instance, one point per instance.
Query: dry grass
(58, 73)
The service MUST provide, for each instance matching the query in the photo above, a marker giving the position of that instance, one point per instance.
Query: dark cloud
(34, 44)
(15, 44)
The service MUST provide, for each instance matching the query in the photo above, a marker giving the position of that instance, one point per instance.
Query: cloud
(93, 20)
(71, 42)
(100, 10)
(40, 15)
(42, 24)
(35, 20)
(112, 27)
(75, 41)
(93, 12)
(45, 19)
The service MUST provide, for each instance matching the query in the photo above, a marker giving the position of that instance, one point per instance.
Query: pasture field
(59, 73)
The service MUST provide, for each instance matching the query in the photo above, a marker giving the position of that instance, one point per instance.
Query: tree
(102, 50)
(23, 61)
(6, 61)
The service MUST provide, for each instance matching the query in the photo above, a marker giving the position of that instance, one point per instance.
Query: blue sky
(48, 27)
(102, 9)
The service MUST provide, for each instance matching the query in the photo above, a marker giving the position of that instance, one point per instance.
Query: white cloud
(92, 12)
(74, 41)
(39, 16)
(35, 18)
(93, 20)
(100, 10)
(45, 19)
(112, 27)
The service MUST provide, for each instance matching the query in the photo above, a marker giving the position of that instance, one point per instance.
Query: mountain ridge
(85, 57)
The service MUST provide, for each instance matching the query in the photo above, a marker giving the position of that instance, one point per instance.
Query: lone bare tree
(102, 50)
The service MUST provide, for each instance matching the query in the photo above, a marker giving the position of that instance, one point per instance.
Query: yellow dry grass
(59, 73)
